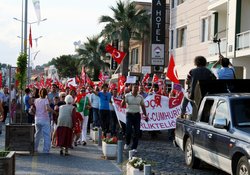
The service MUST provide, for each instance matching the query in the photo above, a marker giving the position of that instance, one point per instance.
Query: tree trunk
(125, 62)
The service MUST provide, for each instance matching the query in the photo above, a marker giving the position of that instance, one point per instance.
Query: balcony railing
(243, 40)
(213, 47)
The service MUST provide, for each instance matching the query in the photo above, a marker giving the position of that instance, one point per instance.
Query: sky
(67, 22)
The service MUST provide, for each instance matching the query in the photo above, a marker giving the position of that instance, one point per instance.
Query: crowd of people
(62, 116)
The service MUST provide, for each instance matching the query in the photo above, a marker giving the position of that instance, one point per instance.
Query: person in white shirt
(94, 99)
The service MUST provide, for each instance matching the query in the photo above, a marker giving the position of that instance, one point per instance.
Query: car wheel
(190, 159)
(243, 167)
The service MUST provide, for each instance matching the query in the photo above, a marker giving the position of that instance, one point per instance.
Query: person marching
(83, 106)
(133, 102)
(65, 125)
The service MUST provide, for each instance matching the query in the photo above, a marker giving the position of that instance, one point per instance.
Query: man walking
(133, 102)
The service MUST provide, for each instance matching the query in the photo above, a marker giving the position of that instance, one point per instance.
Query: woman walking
(66, 120)
(42, 121)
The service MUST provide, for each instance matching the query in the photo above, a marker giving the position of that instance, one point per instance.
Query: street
(167, 159)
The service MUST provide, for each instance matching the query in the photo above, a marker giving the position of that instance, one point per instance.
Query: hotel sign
(158, 32)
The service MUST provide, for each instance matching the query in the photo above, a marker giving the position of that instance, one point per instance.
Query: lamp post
(22, 37)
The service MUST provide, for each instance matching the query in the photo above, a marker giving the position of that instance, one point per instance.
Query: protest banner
(161, 111)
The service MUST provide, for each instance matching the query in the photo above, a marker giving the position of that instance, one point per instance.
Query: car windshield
(241, 111)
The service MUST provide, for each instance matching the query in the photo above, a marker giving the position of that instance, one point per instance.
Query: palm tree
(91, 54)
(128, 23)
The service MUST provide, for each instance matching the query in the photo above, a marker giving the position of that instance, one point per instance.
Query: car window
(207, 110)
(241, 112)
(221, 110)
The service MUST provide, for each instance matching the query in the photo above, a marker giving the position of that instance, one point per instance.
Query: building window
(172, 4)
(135, 56)
(204, 30)
(180, 2)
(172, 39)
(181, 37)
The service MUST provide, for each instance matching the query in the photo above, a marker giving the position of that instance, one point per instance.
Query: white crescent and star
(116, 54)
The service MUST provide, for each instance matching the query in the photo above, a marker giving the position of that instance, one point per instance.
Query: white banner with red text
(161, 111)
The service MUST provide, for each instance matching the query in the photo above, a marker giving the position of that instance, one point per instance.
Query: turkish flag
(172, 73)
(101, 77)
(145, 78)
(30, 38)
(83, 75)
(176, 101)
(1, 83)
(90, 82)
(121, 83)
(117, 55)
(158, 100)
(155, 78)
(77, 79)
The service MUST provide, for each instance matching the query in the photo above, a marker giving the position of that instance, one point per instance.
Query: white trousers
(84, 128)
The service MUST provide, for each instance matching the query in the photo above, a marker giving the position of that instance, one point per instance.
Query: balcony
(243, 40)
(213, 47)
(217, 5)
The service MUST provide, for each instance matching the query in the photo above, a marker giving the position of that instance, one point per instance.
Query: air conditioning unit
(158, 68)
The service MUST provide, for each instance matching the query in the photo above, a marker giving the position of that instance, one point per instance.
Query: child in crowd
(77, 130)
(13, 109)
(54, 120)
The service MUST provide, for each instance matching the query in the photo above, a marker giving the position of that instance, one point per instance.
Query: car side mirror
(220, 123)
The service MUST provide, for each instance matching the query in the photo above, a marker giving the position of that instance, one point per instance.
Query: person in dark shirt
(196, 74)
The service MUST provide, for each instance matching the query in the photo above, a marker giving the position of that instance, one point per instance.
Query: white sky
(67, 22)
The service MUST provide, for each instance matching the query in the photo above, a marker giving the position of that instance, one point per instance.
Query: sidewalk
(83, 160)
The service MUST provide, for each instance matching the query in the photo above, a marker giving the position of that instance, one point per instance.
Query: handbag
(32, 110)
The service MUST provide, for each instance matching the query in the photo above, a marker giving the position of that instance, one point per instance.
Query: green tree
(128, 23)
(67, 65)
(91, 56)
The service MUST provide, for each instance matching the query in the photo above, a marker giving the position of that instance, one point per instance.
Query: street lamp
(30, 22)
(22, 37)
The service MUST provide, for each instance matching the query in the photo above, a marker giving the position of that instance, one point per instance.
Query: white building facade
(194, 24)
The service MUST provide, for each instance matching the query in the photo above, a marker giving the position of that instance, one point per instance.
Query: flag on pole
(83, 75)
(155, 78)
(117, 55)
(36, 4)
(30, 38)
(171, 72)
(101, 77)
(145, 78)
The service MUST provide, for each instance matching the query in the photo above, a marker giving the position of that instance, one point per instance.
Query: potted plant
(7, 162)
(135, 166)
(109, 147)
(20, 136)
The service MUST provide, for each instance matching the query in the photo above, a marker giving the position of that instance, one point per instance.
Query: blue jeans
(43, 129)
(133, 120)
(96, 117)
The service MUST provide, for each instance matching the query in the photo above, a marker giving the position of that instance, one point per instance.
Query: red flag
(1, 83)
(30, 38)
(77, 79)
(90, 82)
(83, 74)
(158, 100)
(101, 77)
(172, 73)
(145, 78)
(121, 83)
(155, 78)
(175, 101)
(117, 55)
